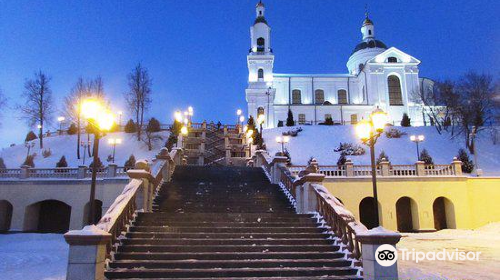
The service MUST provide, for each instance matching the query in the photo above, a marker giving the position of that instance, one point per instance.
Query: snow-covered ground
(66, 145)
(33, 256)
(320, 141)
(485, 240)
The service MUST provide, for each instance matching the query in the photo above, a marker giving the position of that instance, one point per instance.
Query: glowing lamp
(279, 139)
(178, 116)
(249, 133)
(242, 119)
(286, 139)
(261, 119)
(363, 129)
(379, 119)
(184, 130)
(91, 108)
(238, 112)
(61, 119)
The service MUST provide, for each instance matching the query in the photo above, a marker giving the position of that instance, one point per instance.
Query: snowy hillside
(66, 145)
(320, 141)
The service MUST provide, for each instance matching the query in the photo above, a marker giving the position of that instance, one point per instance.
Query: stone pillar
(420, 168)
(112, 170)
(306, 195)
(144, 198)
(275, 171)
(457, 167)
(87, 253)
(25, 172)
(385, 166)
(349, 168)
(82, 171)
(180, 141)
(371, 241)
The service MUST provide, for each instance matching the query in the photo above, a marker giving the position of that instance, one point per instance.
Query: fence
(81, 172)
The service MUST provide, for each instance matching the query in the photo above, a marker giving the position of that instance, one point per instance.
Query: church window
(296, 97)
(261, 73)
(302, 118)
(394, 86)
(319, 96)
(260, 13)
(392, 59)
(260, 111)
(369, 32)
(260, 44)
(354, 119)
(342, 96)
(328, 116)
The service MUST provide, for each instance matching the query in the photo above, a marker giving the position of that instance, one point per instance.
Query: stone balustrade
(81, 172)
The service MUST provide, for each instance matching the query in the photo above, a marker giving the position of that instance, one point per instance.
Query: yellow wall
(476, 201)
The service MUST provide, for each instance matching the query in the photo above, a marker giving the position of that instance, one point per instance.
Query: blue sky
(196, 50)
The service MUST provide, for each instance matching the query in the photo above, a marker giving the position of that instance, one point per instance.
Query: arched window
(260, 111)
(260, 44)
(319, 96)
(392, 59)
(342, 96)
(395, 96)
(369, 32)
(260, 73)
(296, 97)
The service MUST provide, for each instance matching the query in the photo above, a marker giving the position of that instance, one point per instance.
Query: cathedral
(377, 76)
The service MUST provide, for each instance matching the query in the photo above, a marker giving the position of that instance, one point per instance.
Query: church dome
(260, 19)
(369, 45)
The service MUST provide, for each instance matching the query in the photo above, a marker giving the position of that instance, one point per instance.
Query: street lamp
(29, 145)
(85, 145)
(282, 140)
(114, 142)
(60, 120)
(101, 120)
(120, 113)
(369, 131)
(417, 139)
(191, 113)
(242, 119)
(260, 121)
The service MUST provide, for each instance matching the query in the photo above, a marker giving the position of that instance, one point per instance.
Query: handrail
(62, 172)
(342, 221)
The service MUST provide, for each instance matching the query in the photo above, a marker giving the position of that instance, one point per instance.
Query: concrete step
(227, 224)
(219, 235)
(221, 241)
(237, 230)
(229, 248)
(344, 277)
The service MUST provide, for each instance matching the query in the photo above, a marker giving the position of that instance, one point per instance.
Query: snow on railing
(62, 172)
(10, 173)
(81, 172)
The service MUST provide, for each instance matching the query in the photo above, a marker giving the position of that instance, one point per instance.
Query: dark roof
(368, 45)
(260, 19)
(367, 21)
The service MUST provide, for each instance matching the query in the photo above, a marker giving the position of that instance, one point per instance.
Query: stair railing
(94, 243)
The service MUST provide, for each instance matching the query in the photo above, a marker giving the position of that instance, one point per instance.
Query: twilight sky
(196, 50)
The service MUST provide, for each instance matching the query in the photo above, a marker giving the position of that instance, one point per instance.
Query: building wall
(75, 193)
(475, 200)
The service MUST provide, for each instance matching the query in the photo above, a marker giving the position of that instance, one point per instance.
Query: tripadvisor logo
(386, 255)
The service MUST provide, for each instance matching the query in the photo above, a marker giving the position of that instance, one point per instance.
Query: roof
(367, 21)
(260, 4)
(369, 45)
(312, 75)
(260, 19)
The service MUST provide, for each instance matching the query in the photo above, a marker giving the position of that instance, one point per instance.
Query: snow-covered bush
(394, 133)
(29, 161)
(130, 163)
(153, 125)
(109, 158)
(426, 157)
(46, 153)
(382, 156)
(72, 129)
(341, 161)
(467, 164)
(30, 136)
(289, 119)
(99, 164)
(280, 123)
(172, 139)
(294, 132)
(2, 164)
(62, 162)
(349, 149)
(130, 127)
(328, 121)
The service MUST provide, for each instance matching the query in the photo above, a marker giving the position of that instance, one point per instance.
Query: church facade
(378, 76)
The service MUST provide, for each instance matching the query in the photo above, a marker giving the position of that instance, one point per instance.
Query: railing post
(275, 171)
(371, 241)
(384, 166)
(258, 158)
(420, 168)
(305, 195)
(164, 155)
(87, 253)
(25, 172)
(349, 168)
(82, 171)
(144, 198)
(457, 167)
(112, 170)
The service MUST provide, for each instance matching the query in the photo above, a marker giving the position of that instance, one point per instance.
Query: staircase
(215, 151)
(226, 223)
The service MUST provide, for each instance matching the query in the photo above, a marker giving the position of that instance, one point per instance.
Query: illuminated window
(395, 95)
(302, 118)
(342, 96)
(354, 119)
(296, 97)
(319, 96)
(260, 111)
(261, 73)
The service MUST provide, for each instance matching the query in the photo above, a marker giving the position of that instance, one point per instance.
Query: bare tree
(81, 90)
(139, 95)
(151, 133)
(38, 107)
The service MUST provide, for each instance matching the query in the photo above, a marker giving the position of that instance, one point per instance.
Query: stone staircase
(226, 223)
(215, 151)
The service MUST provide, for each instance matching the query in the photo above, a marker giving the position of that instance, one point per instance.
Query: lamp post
(100, 120)
(242, 119)
(29, 145)
(260, 121)
(120, 113)
(417, 139)
(369, 131)
(184, 133)
(84, 144)
(114, 142)
(238, 113)
(249, 140)
(282, 140)
(60, 120)
(268, 93)
(191, 113)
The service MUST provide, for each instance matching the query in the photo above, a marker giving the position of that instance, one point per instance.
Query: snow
(66, 145)
(33, 256)
(485, 240)
(320, 141)
(87, 230)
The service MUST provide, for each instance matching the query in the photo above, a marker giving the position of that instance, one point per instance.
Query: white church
(377, 76)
